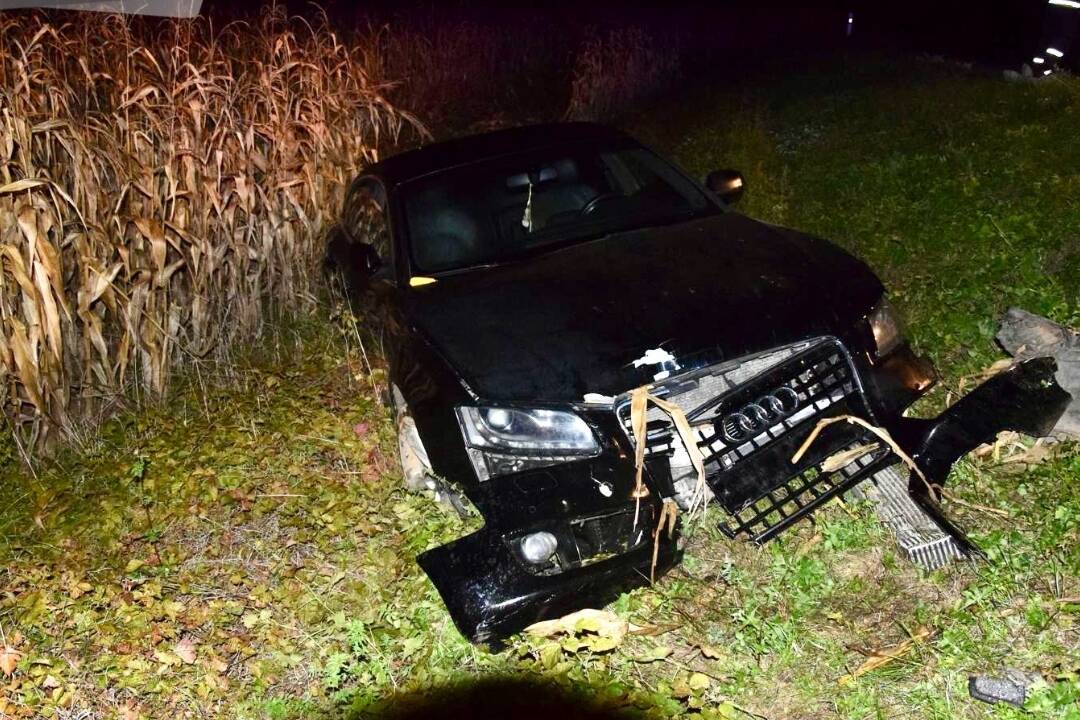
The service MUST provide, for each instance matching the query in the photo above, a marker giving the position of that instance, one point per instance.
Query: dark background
(1001, 34)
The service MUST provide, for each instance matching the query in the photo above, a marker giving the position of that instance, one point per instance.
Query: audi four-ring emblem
(755, 417)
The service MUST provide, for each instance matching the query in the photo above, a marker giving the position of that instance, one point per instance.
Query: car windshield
(491, 211)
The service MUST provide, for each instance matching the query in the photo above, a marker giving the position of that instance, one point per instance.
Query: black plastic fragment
(1011, 688)
(1025, 398)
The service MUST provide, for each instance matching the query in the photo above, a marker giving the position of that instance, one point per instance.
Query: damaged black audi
(526, 282)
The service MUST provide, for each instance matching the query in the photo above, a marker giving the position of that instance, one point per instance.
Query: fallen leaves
(78, 588)
(200, 583)
(185, 650)
(1014, 453)
(690, 688)
(708, 651)
(654, 654)
(597, 630)
(9, 659)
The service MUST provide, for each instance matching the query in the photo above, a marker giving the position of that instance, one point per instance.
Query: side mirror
(728, 185)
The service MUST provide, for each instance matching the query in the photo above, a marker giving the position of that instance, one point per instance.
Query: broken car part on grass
(526, 282)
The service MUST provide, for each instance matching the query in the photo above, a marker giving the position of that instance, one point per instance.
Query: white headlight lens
(888, 332)
(526, 431)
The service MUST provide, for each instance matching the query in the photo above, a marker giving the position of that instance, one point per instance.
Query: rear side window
(365, 217)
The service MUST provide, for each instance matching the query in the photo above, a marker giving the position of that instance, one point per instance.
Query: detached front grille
(748, 434)
(762, 518)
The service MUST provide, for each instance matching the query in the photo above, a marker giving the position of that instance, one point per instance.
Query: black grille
(819, 378)
(762, 518)
(749, 434)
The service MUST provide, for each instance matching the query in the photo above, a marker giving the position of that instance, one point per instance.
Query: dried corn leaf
(880, 658)
(20, 185)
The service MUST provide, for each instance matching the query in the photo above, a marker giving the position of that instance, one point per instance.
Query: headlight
(526, 431)
(886, 326)
(505, 440)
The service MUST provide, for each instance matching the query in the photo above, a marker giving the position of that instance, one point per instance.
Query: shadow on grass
(501, 698)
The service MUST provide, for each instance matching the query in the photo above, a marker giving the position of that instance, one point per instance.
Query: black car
(524, 282)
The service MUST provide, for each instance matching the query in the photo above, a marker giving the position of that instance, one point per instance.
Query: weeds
(618, 71)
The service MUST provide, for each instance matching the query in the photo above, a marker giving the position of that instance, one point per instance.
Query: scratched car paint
(524, 282)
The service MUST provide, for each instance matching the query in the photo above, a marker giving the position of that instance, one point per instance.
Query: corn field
(162, 189)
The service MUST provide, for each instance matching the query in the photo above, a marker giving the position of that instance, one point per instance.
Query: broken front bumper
(1026, 399)
(605, 546)
(605, 538)
(490, 594)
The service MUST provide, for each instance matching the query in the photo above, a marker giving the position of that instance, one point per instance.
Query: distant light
(850, 18)
(1047, 72)
(1066, 3)
(1037, 60)
(1055, 52)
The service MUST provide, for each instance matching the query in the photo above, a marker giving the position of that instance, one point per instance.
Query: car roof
(431, 158)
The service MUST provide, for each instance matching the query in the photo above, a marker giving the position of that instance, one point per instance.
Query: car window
(492, 210)
(365, 217)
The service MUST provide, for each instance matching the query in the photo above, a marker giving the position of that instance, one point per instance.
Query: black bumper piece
(1025, 398)
(490, 594)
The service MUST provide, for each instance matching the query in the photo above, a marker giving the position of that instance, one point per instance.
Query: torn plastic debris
(1025, 335)
(669, 512)
(663, 360)
(1025, 398)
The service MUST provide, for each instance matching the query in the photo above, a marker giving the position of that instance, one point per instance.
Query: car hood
(572, 321)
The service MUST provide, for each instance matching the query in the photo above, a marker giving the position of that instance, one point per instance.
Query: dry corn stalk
(639, 403)
(882, 433)
(669, 513)
(162, 192)
(880, 658)
(842, 459)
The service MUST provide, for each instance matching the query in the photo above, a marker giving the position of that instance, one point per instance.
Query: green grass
(263, 522)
